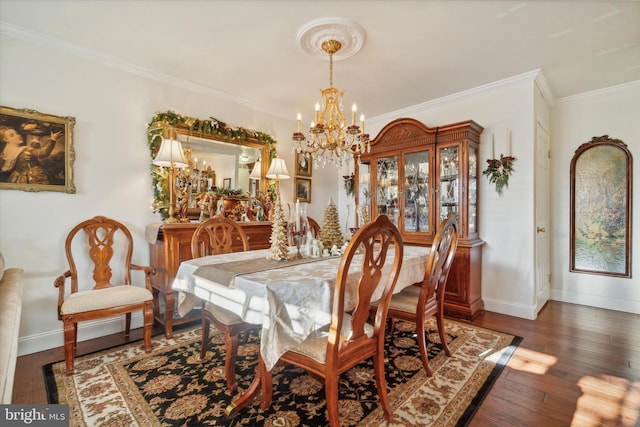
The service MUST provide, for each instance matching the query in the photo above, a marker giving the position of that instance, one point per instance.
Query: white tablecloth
(289, 302)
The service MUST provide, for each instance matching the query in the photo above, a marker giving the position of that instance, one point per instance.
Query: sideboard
(169, 245)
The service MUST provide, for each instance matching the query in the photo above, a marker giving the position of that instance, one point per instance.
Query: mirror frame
(164, 123)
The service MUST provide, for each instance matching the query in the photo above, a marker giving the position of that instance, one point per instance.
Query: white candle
(493, 143)
(354, 109)
(508, 142)
(297, 214)
(317, 112)
(362, 122)
(299, 119)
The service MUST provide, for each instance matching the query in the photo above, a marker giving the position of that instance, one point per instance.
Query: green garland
(211, 127)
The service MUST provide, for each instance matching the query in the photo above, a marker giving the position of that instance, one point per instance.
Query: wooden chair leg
(148, 326)
(443, 336)
(205, 338)
(127, 326)
(231, 341)
(331, 391)
(381, 383)
(422, 345)
(69, 345)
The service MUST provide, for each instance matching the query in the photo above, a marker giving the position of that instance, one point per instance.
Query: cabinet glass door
(473, 190)
(387, 188)
(364, 194)
(449, 185)
(416, 191)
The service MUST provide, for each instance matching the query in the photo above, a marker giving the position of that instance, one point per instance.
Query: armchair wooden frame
(349, 338)
(105, 299)
(216, 236)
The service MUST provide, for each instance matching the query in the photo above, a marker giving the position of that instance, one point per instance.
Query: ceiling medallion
(350, 35)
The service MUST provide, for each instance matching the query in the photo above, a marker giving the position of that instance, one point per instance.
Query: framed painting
(303, 164)
(601, 172)
(36, 151)
(226, 183)
(303, 190)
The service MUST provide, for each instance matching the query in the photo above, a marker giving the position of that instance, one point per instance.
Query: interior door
(542, 241)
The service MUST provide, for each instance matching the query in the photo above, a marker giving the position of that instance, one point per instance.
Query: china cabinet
(169, 245)
(417, 176)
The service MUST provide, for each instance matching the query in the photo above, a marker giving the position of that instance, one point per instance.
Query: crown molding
(530, 76)
(599, 92)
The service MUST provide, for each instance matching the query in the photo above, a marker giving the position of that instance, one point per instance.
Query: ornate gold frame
(57, 164)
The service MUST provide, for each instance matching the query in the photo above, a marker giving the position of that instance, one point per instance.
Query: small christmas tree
(279, 242)
(330, 233)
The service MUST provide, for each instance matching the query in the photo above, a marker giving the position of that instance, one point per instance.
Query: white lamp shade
(170, 154)
(256, 172)
(278, 169)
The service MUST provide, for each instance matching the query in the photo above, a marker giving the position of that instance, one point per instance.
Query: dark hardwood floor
(576, 366)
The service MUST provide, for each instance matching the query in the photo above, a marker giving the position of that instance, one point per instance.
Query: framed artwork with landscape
(303, 189)
(36, 151)
(601, 172)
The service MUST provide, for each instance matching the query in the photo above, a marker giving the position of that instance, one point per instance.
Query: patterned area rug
(125, 386)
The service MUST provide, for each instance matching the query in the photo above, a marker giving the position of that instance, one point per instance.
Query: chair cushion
(406, 300)
(315, 345)
(104, 298)
(225, 317)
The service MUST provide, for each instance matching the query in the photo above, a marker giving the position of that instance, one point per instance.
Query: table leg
(262, 381)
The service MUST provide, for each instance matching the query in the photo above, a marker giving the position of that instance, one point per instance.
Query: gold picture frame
(303, 164)
(303, 189)
(36, 151)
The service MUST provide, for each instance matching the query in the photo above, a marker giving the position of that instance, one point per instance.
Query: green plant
(498, 171)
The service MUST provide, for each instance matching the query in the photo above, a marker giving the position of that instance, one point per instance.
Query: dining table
(289, 298)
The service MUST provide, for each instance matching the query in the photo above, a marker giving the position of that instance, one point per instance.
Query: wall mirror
(227, 155)
(601, 172)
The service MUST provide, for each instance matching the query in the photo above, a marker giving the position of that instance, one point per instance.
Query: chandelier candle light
(331, 139)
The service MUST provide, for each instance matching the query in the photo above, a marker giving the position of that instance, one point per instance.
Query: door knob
(541, 230)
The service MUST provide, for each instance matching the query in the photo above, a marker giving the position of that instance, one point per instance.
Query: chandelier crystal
(331, 139)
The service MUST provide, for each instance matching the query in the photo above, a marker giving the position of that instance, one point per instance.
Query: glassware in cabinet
(416, 191)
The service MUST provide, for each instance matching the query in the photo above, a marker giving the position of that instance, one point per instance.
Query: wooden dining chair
(220, 235)
(104, 243)
(418, 303)
(349, 339)
(314, 227)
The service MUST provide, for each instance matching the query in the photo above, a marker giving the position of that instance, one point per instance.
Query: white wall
(576, 120)
(112, 107)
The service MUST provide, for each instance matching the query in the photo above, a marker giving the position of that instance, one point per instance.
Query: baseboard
(627, 306)
(86, 331)
(509, 308)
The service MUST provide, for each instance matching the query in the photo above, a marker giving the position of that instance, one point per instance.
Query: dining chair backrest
(443, 251)
(372, 241)
(218, 235)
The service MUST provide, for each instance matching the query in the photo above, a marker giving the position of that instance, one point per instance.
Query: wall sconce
(171, 155)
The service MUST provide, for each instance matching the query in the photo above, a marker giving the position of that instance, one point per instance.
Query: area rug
(125, 386)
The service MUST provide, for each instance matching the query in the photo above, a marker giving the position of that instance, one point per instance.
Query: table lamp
(171, 155)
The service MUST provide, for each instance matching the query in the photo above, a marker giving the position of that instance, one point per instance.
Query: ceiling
(413, 51)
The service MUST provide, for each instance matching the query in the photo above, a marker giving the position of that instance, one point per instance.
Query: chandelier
(330, 138)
